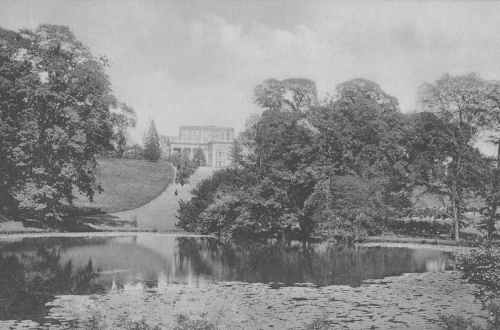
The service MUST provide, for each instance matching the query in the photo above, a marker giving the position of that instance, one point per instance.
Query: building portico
(215, 142)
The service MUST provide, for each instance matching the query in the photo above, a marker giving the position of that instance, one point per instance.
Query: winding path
(159, 214)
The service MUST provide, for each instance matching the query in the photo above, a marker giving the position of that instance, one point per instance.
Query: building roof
(209, 127)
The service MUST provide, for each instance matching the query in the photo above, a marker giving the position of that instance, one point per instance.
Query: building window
(219, 158)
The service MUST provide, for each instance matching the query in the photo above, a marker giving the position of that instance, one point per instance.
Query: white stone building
(214, 141)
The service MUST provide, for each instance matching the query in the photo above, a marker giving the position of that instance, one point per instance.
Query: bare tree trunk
(491, 221)
(454, 202)
(455, 220)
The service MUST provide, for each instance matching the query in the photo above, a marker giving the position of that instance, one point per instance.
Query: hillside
(127, 184)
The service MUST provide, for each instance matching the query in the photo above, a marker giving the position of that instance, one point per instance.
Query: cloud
(197, 62)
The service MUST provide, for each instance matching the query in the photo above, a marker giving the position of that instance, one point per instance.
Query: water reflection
(33, 270)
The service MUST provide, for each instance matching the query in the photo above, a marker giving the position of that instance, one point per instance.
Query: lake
(33, 270)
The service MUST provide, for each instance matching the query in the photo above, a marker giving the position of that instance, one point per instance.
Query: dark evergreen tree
(152, 151)
(199, 158)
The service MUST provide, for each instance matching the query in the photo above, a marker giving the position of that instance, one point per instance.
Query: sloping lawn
(127, 184)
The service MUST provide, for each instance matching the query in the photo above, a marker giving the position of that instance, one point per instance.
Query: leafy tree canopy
(122, 119)
(55, 101)
(463, 106)
(301, 157)
(297, 94)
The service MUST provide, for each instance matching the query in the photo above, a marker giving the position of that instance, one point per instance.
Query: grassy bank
(127, 184)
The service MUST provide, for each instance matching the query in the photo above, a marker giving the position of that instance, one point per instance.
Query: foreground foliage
(457, 322)
(480, 266)
(98, 322)
(55, 101)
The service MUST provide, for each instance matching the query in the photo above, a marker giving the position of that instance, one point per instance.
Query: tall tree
(122, 119)
(491, 193)
(462, 106)
(54, 109)
(359, 139)
(152, 151)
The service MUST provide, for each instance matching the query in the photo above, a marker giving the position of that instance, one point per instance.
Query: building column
(205, 152)
(210, 158)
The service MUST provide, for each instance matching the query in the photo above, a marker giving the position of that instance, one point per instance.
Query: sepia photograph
(249, 164)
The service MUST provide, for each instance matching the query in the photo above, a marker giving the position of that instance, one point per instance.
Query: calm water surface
(34, 270)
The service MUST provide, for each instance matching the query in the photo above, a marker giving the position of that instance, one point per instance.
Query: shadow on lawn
(81, 220)
(103, 220)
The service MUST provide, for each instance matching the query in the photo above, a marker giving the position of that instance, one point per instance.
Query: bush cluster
(235, 203)
(458, 322)
(98, 322)
(426, 227)
(480, 266)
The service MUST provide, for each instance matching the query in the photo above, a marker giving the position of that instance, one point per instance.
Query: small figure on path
(176, 193)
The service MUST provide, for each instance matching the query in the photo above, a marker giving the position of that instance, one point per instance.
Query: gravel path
(159, 214)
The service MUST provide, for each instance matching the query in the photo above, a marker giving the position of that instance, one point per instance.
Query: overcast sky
(197, 62)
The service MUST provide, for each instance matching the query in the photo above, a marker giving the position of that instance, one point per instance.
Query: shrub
(480, 266)
(432, 227)
(318, 324)
(97, 322)
(134, 152)
(204, 194)
(199, 158)
(184, 323)
(125, 323)
(453, 322)
(347, 206)
(185, 167)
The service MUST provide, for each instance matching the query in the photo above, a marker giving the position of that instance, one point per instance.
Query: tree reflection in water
(33, 270)
(26, 287)
(293, 262)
